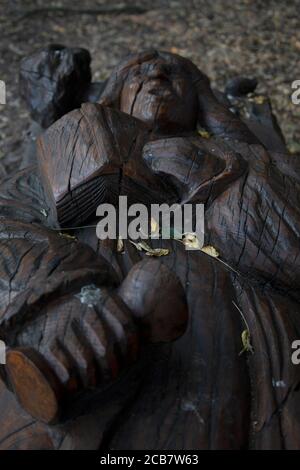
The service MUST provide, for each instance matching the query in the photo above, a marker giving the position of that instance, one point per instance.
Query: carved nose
(158, 71)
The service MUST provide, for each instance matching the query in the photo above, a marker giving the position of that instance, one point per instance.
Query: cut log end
(33, 384)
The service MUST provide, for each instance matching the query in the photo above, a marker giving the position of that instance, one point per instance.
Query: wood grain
(127, 352)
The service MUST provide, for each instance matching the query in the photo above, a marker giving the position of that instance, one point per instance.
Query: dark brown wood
(99, 344)
(104, 334)
(54, 80)
(33, 383)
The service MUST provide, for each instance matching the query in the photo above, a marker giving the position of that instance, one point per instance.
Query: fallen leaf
(67, 236)
(120, 245)
(246, 337)
(190, 240)
(158, 252)
(143, 246)
(211, 251)
(246, 341)
(204, 134)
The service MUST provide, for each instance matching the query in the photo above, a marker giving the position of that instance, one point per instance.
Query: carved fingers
(87, 339)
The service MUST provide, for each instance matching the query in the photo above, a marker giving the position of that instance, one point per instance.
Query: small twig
(229, 267)
(242, 315)
(74, 228)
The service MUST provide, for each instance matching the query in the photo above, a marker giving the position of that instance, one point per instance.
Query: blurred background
(255, 38)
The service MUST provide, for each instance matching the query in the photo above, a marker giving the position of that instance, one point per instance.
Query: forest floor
(255, 38)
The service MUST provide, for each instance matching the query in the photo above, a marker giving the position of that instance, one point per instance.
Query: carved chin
(160, 114)
(150, 106)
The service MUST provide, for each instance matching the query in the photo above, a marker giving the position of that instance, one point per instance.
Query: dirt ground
(224, 38)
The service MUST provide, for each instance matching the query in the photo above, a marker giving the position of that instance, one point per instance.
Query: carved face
(160, 92)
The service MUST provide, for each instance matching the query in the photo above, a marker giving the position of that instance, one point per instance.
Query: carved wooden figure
(111, 349)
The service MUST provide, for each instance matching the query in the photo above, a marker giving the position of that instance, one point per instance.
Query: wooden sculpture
(115, 350)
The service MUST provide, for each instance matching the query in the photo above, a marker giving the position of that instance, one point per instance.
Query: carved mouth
(160, 87)
(162, 92)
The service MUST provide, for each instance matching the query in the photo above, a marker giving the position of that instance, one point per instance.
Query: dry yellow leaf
(246, 337)
(158, 252)
(246, 341)
(204, 134)
(67, 236)
(211, 251)
(120, 245)
(143, 246)
(190, 240)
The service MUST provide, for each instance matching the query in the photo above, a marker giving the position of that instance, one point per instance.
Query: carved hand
(86, 339)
